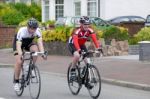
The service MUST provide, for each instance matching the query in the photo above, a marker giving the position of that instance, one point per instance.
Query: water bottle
(26, 69)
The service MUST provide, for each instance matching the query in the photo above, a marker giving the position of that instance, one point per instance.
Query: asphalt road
(54, 86)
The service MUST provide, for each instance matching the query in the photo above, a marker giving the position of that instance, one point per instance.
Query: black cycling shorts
(26, 44)
(72, 48)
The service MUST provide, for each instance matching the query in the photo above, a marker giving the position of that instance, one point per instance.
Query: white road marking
(2, 98)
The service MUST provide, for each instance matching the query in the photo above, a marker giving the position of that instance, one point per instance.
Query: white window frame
(77, 10)
(89, 12)
(46, 10)
(58, 14)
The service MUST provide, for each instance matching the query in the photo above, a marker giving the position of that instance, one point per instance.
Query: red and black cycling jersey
(79, 37)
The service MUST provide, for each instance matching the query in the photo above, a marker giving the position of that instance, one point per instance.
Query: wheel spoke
(35, 83)
(73, 84)
(94, 82)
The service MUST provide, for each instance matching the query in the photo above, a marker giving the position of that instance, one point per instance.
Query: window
(59, 8)
(46, 11)
(91, 8)
(77, 8)
(25, 1)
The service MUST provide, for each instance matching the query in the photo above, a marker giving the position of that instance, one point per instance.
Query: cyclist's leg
(75, 54)
(83, 47)
(18, 63)
(34, 48)
(17, 68)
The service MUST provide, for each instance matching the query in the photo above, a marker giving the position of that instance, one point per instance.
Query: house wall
(68, 7)
(108, 8)
(113, 8)
(52, 9)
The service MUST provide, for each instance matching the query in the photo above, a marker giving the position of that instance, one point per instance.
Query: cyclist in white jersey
(23, 40)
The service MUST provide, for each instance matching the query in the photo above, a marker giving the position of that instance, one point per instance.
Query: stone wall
(57, 48)
(115, 49)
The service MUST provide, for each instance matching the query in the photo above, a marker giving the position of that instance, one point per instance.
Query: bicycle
(30, 75)
(88, 76)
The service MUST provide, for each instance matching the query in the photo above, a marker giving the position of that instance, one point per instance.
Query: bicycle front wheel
(34, 82)
(74, 83)
(93, 82)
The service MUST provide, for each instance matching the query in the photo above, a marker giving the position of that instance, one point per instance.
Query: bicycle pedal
(82, 81)
(33, 76)
(27, 83)
(89, 86)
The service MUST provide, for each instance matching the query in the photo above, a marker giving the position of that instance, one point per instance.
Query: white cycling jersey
(23, 33)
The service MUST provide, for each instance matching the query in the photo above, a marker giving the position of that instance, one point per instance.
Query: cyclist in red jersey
(79, 37)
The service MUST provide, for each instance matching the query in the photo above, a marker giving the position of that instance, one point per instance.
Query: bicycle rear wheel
(93, 82)
(34, 82)
(74, 84)
(21, 83)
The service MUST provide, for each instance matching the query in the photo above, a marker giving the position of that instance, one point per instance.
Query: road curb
(6, 65)
(126, 84)
(104, 80)
(144, 87)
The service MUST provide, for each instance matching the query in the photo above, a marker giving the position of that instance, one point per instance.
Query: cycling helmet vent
(32, 23)
(85, 20)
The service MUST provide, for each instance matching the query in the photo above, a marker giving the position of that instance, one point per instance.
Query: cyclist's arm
(18, 46)
(40, 40)
(19, 41)
(93, 36)
(40, 44)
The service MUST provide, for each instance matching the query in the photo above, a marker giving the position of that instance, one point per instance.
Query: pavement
(125, 71)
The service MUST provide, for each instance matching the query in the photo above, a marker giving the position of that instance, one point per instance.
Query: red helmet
(85, 20)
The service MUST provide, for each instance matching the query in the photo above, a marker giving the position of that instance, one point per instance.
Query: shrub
(4, 9)
(123, 34)
(50, 22)
(99, 32)
(113, 32)
(17, 12)
(12, 17)
(143, 35)
(57, 34)
(21, 7)
(35, 11)
(133, 41)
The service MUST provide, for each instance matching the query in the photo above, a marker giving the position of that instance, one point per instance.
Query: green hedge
(142, 35)
(57, 34)
(12, 17)
(63, 33)
(14, 13)
(118, 33)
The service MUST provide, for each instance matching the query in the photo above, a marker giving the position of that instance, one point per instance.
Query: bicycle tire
(36, 80)
(96, 80)
(76, 83)
(21, 82)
